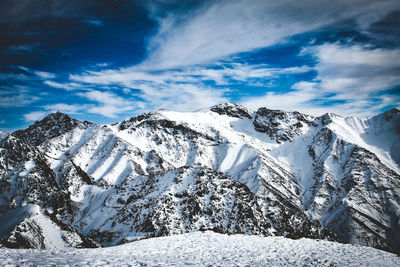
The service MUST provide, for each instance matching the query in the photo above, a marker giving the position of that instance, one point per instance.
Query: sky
(108, 60)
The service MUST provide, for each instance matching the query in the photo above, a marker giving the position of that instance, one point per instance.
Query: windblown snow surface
(208, 249)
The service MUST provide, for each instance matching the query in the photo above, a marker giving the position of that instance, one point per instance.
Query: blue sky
(105, 61)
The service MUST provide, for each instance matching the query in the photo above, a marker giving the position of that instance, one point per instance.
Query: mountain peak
(394, 110)
(232, 109)
(59, 116)
(55, 124)
(328, 118)
(388, 115)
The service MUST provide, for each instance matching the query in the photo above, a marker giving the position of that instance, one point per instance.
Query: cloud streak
(66, 108)
(224, 28)
(93, 22)
(352, 70)
(38, 74)
(16, 96)
(351, 80)
(66, 86)
(204, 53)
(110, 105)
(181, 89)
(34, 116)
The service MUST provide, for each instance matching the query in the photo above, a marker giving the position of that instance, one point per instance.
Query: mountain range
(71, 183)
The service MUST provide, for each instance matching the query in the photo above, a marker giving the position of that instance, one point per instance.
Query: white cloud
(224, 28)
(104, 97)
(186, 53)
(107, 110)
(355, 70)
(39, 74)
(65, 86)
(103, 64)
(296, 99)
(180, 89)
(349, 75)
(110, 106)
(34, 116)
(355, 77)
(310, 102)
(182, 97)
(66, 108)
(14, 76)
(19, 98)
(45, 75)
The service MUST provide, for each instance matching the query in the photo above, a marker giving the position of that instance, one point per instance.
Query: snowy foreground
(209, 249)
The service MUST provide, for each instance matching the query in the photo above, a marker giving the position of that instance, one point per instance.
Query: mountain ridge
(306, 172)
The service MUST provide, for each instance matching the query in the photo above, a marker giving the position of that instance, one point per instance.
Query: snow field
(208, 249)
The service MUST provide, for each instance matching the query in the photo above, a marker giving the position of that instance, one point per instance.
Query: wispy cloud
(223, 28)
(66, 86)
(16, 96)
(351, 80)
(66, 108)
(20, 86)
(45, 75)
(355, 70)
(219, 73)
(192, 60)
(34, 116)
(37, 73)
(183, 89)
(93, 22)
(104, 97)
(110, 105)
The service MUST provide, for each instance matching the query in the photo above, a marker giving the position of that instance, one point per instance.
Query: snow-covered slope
(32, 204)
(183, 200)
(32, 227)
(26, 178)
(208, 249)
(230, 169)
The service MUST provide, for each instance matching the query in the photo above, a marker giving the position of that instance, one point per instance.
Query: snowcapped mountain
(53, 125)
(226, 168)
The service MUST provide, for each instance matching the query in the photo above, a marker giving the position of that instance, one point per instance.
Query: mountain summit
(226, 169)
(55, 124)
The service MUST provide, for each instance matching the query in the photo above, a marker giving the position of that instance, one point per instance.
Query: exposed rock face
(52, 126)
(190, 199)
(233, 110)
(282, 126)
(228, 169)
(26, 178)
